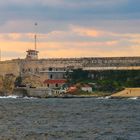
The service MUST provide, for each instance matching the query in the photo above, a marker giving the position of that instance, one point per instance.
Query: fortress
(46, 71)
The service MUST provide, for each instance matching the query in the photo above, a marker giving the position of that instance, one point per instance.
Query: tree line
(107, 81)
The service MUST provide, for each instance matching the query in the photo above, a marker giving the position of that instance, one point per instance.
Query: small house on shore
(72, 89)
(86, 88)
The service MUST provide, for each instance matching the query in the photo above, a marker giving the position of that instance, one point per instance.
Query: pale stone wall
(45, 64)
(10, 67)
(43, 69)
(48, 68)
(111, 62)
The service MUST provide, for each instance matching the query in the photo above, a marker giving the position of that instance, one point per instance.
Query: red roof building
(54, 82)
(72, 89)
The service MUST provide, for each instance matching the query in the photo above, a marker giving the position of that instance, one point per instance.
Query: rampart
(104, 63)
(42, 66)
(35, 72)
(10, 67)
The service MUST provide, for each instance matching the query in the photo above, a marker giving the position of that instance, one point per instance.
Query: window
(29, 70)
(36, 69)
(56, 85)
(23, 70)
(50, 69)
(48, 85)
(51, 76)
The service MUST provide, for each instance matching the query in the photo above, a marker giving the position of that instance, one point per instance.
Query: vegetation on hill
(106, 81)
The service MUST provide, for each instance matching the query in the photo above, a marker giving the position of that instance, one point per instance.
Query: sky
(70, 28)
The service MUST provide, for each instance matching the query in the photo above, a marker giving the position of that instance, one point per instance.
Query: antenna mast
(35, 37)
(35, 42)
(0, 54)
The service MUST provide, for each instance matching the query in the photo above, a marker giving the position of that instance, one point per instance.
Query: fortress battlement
(38, 70)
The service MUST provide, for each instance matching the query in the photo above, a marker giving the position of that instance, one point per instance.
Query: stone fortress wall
(41, 66)
(38, 70)
(64, 64)
(10, 67)
(112, 61)
(44, 68)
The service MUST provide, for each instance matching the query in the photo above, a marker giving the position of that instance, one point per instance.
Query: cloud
(88, 28)
(69, 10)
(20, 15)
(86, 32)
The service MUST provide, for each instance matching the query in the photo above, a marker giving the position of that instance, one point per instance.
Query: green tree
(77, 75)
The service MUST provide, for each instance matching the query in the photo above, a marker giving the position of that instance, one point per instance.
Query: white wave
(100, 97)
(15, 97)
(106, 97)
(29, 97)
(10, 96)
(133, 98)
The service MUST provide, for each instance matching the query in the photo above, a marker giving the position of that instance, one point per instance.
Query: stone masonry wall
(36, 72)
(41, 66)
(9, 67)
(111, 61)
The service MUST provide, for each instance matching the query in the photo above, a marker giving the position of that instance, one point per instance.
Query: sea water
(69, 119)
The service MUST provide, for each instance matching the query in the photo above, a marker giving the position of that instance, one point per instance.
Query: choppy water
(69, 119)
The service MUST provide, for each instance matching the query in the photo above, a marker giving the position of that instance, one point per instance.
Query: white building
(86, 88)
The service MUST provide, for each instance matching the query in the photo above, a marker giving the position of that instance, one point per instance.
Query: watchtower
(32, 54)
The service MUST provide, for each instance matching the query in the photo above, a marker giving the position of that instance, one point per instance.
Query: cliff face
(32, 81)
(1, 85)
(7, 84)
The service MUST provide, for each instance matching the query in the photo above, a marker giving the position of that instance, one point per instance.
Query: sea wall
(20, 92)
(34, 92)
(38, 92)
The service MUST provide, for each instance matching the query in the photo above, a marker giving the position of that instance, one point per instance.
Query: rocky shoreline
(42, 93)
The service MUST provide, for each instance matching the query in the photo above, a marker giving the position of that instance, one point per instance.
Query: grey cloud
(74, 9)
(64, 12)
